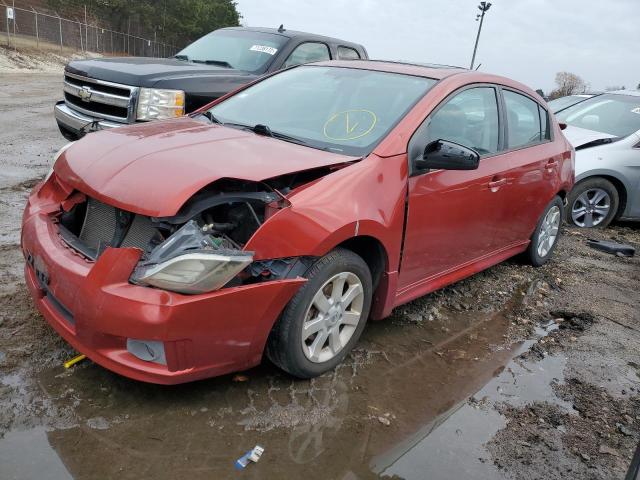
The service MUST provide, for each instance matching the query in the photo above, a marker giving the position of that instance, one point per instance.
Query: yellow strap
(74, 360)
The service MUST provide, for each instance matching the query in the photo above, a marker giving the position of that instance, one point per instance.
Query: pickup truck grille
(100, 99)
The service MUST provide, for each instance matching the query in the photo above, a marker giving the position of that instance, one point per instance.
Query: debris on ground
(251, 456)
(614, 248)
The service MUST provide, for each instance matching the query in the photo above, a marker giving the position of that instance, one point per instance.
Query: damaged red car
(277, 220)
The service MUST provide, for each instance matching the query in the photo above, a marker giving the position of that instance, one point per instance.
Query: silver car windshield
(344, 110)
(617, 115)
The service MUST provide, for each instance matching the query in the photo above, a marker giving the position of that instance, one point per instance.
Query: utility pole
(483, 7)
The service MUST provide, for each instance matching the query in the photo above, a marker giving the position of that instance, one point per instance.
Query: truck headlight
(158, 104)
(190, 262)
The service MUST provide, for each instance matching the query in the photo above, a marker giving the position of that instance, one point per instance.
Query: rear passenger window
(523, 120)
(346, 53)
(308, 52)
(470, 118)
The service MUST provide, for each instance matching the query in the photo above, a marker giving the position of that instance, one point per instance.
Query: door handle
(495, 184)
(551, 163)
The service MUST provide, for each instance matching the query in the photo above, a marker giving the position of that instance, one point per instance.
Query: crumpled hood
(152, 169)
(581, 136)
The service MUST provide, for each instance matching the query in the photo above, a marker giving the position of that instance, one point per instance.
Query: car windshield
(239, 49)
(564, 102)
(617, 115)
(333, 108)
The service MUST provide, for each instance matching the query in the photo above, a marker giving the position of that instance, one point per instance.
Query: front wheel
(545, 237)
(593, 203)
(324, 320)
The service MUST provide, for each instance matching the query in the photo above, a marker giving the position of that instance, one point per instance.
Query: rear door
(534, 161)
(453, 215)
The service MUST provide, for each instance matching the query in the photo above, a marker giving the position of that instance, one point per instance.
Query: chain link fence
(21, 27)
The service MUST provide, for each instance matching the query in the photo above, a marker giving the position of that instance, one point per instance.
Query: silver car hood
(581, 136)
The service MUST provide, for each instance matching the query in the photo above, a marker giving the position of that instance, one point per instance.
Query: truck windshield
(242, 50)
(614, 114)
(344, 110)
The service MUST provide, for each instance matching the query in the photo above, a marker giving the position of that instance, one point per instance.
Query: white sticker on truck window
(264, 49)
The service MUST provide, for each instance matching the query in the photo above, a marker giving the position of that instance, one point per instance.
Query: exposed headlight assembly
(191, 262)
(159, 104)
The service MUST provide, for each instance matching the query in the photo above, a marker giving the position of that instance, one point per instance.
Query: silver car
(605, 131)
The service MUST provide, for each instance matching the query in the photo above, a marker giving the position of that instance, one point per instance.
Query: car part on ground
(178, 250)
(615, 248)
(605, 132)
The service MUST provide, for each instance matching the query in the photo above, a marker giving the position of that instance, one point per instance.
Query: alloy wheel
(549, 231)
(332, 317)
(591, 207)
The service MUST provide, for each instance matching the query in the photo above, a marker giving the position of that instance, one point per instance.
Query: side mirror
(445, 155)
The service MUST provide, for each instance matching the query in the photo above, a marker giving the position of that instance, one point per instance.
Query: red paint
(458, 223)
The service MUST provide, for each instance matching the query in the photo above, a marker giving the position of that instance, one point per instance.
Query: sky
(527, 40)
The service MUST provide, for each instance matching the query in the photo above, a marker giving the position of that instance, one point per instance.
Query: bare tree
(567, 84)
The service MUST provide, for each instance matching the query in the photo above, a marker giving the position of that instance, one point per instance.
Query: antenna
(281, 28)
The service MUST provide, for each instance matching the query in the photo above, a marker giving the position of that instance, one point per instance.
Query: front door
(453, 215)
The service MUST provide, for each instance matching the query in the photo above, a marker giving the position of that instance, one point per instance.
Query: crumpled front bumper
(79, 124)
(95, 308)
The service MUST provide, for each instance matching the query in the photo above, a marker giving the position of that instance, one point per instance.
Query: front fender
(366, 198)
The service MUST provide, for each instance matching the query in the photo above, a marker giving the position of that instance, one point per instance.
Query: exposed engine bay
(220, 219)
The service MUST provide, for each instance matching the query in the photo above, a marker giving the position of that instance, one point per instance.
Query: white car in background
(605, 131)
(564, 102)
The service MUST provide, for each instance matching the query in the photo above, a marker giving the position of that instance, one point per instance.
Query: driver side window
(470, 119)
(306, 53)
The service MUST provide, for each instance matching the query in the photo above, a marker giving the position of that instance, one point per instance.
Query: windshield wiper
(211, 117)
(220, 63)
(181, 57)
(262, 129)
(599, 141)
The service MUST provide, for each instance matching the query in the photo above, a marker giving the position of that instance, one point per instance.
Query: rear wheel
(324, 320)
(545, 237)
(593, 203)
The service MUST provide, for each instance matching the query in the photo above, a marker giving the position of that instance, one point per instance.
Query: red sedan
(279, 218)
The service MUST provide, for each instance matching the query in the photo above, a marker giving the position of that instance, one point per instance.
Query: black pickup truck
(112, 92)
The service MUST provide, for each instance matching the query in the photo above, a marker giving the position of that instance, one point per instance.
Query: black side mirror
(442, 154)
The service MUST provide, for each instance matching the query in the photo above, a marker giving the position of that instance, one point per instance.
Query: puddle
(399, 405)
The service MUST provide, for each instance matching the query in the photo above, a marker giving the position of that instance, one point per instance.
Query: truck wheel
(545, 237)
(324, 320)
(593, 203)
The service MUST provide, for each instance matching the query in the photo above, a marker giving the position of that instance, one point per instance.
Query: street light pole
(483, 7)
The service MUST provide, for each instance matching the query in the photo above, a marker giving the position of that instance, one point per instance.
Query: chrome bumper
(78, 123)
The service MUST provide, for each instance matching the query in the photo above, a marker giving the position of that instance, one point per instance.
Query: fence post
(37, 34)
(81, 44)
(15, 14)
(60, 24)
(111, 42)
(8, 34)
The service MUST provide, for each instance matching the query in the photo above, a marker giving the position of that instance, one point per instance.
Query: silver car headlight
(159, 104)
(191, 262)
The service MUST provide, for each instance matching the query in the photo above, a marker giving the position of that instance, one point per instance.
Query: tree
(567, 84)
(179, 22)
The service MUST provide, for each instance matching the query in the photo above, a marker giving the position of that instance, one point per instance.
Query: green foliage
(173, 21)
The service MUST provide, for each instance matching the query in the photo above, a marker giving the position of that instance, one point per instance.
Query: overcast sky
(527, 40)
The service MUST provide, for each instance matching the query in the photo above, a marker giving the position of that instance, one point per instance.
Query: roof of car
(429, 70)
(293, 34)
(633, 93)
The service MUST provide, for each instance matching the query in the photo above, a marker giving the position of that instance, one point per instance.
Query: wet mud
(513, 373)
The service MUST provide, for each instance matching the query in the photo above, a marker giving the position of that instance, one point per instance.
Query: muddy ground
(515, 373)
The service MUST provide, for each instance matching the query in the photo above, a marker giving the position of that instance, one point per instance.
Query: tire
(547, 231)
(588, 201)
(286, 346)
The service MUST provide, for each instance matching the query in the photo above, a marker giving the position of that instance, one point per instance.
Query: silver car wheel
(591, 208)
(549, 231)
(332, 317)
